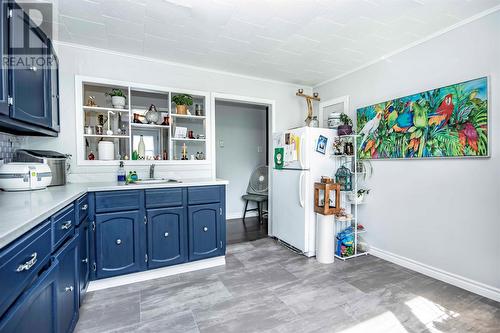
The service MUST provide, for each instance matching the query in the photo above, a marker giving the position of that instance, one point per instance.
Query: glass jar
(314, 122)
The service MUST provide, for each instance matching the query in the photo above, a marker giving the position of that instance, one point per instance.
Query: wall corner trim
(439, 274)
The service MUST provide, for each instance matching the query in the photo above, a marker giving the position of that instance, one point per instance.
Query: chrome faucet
(152, 171)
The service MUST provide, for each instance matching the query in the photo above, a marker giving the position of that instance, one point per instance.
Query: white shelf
(188, 139)
(149, 126)
(106, 136)
(144, 110)
(101, 109)
(359, 254)
(187, 116)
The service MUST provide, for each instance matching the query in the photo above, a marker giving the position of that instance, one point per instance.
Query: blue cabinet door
(4, 85)
(83, 258)
(119, 243)
(35, 310)
(67, 286)
(167, 236)
(28, 82)
(205, 231)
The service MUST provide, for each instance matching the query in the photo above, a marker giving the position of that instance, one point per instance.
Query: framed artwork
(321, 145)
(450, 121)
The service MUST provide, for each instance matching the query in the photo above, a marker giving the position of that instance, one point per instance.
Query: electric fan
(258, 181)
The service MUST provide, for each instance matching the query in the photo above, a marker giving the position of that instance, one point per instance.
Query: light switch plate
(221, 143)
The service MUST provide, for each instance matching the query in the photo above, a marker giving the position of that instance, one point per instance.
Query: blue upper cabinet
(29, 90)
(167, 236)
(205, 231)
(4, 84)
(28, 82)
(119, 245)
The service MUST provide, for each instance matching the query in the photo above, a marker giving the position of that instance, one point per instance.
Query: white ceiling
(295, 41)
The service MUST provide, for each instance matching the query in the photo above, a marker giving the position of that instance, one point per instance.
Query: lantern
(343, 176)
(326, 198)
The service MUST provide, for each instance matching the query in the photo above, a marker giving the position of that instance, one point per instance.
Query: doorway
(242, 128)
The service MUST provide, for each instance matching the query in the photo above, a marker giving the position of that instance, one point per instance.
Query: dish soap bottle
(141, 149)
(121, 174)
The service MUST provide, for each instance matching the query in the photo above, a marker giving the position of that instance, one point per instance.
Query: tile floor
(266, 288)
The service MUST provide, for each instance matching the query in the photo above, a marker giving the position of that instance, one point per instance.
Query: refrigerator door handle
(302, 151)
(301, 189)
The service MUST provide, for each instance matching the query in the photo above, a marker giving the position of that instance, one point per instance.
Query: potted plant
(346, 127)
(117, 98)
(182, 101)
(360, 196)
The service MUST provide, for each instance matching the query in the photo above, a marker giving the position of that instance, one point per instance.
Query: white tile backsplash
(8, 144)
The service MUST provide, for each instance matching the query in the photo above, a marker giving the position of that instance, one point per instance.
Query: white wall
(242, 128)
(442, 213)
(84, 61)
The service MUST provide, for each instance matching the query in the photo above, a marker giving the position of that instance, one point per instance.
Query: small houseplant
(346, 127)
(182, 101)
(117, 98)
(359, 197)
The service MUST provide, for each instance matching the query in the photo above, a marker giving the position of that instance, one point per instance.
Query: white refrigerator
(304, 162)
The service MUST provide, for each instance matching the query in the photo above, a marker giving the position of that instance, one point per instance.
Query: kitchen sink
(156, 181)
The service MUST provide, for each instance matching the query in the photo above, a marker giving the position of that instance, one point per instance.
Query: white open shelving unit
(139, 97)
(349, 161)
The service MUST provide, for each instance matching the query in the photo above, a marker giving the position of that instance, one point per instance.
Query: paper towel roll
(106, 151)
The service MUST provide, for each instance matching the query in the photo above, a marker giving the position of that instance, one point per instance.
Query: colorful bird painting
(443, 113)
(449, 121)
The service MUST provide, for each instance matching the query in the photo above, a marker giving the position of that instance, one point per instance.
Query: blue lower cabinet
(119, 243)
(67, 286)
(205, 231)
(167, 236)
(83, 234)
(35, 310)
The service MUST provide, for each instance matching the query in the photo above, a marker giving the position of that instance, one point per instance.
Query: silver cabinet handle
(28, 264)
(85, 207)
(66, 225)
(86, 260)
(166, 234)
(205, 229)
(118, 241)
(68, 289)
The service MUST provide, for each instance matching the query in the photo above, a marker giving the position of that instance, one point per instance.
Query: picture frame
(321, 144)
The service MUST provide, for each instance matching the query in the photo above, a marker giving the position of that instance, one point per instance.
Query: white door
(289, 207)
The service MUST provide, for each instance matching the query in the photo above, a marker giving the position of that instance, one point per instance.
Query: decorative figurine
(91, 101)
(152, 115)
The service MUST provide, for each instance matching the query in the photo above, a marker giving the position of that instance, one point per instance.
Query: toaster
(24, 176)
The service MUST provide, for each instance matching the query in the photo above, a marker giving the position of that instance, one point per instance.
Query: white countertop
(22, 211)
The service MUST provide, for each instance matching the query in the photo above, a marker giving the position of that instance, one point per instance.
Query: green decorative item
(450, 121)
(182, 101)
(279, 154)
(343, 176)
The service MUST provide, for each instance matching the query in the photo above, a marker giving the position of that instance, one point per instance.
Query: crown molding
(411, 45)
(172, 63)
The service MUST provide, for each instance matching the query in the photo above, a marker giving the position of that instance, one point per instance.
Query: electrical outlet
(221, 143)
(259, 149)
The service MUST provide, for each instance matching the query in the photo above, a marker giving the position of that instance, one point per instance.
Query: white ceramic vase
(118, 102)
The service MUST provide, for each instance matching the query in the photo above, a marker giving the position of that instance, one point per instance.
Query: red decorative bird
(443, 113)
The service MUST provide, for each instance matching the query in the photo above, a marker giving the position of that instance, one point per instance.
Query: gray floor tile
(265, 287)
(252, 313)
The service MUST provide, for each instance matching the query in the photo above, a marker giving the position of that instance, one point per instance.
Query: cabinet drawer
(170, 197)
(63, 226)
(203, 195)
(114, 201)
(21, 262)
(82, 209)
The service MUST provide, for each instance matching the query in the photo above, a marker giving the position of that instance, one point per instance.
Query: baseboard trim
(155, 273)
(453, 279)
(231, 216)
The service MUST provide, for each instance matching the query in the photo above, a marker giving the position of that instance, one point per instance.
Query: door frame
(338, 100)
(271, 104)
